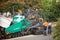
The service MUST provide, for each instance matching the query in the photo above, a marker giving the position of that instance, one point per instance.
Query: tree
(23, 3)
(50, 10)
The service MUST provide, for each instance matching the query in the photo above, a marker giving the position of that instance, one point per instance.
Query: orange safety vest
(45, 24)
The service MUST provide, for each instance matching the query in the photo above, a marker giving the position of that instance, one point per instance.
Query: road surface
(33, 37)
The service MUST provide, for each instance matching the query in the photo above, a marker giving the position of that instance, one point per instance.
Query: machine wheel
(22, 33)
(13, 35)
(0, 35)
(33, 31)
(8, 36)
(16, 35)
(29, 31)
(1, 32)
(36, 31)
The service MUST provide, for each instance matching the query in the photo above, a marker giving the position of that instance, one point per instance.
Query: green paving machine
(17, 28)
(20, 26)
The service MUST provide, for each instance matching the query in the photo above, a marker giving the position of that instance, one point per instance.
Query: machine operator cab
(18, 18)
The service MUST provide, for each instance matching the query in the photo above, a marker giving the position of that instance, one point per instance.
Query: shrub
(56, 31)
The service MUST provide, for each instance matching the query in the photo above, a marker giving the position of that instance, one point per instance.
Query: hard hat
(36, 9)
(41, 18)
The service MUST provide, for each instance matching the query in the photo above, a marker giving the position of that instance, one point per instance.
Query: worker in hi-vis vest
(45, 26)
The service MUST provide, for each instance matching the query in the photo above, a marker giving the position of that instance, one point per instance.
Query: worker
(41, 22)
(32, 17)
(45, 25)
(49, 28)
(20, 13)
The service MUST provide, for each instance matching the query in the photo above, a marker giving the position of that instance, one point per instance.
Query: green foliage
(9, 7)
(21, 5)
(46, 8)
(55, 12)
(51, 10)
(3, 0)
(56, 31)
